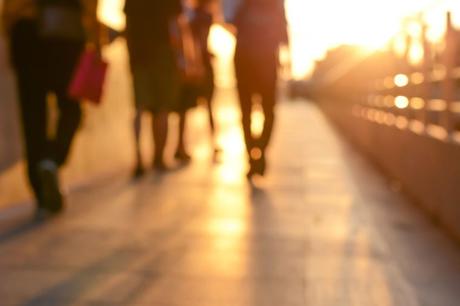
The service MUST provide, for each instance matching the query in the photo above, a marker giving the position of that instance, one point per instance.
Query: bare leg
(211, 118)
(269, 119)
(268, 106)
(246, 109)
(243, 66)
(160, 132)
(254, 153)
(137, 124)
(181, 153)
(216, 149)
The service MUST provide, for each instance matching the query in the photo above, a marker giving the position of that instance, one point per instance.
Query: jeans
(44, 66)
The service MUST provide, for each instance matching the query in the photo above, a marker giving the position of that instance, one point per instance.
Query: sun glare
(318, 26)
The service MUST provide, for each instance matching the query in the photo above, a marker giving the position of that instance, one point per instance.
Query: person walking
(201, 20)
(153, 61)
(261, 29)
(46, 39)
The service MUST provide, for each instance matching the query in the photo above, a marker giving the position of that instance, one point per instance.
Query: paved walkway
(322, 229)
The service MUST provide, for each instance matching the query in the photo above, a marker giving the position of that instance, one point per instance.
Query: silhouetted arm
(90, 21)
(284, 36)
(5, 22)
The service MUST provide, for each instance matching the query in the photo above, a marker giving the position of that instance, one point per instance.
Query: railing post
(448, 84)
(408, 70)
(427, 67)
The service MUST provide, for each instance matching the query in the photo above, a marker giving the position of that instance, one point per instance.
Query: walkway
(323, 229)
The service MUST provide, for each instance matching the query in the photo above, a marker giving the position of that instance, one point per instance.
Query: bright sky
(316, 26)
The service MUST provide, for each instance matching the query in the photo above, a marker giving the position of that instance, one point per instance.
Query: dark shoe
(217, 155)
(261, 165)
(257, 166)
(252, 168)
(138, 172)
(51, 197)
(218, 150)
(182, 156)
(252, 171)
(41, 213)
(159, 165)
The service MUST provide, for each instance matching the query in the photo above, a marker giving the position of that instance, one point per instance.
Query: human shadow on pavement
(19, 226)
(127, 272)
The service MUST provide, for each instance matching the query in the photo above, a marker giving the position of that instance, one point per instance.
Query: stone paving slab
(323, 228)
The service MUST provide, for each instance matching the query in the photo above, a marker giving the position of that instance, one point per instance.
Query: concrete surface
(323, 228)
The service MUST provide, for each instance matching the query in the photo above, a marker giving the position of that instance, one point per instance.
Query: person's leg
(68, 123)
(244, 69)
(268, 80)
(268, 106)
(32, 99)
(181, 153)
(187, 98)
(242, 72)
(138, 80)
(209, 95)
(215, 146)
(212, 124)
(245, 98)
(60, 58)
(137, 126)
(160, 133)
(63, 59)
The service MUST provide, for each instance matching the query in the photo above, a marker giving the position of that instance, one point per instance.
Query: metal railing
(425, 100)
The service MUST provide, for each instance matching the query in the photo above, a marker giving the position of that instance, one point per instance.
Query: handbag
(89, 77)
(188, 51)
(61, 20)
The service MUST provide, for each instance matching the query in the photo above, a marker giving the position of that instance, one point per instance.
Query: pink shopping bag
(88, 80)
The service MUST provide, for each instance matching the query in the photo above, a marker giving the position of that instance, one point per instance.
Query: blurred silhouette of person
(261, 30)
(46, 39)
(201, 20)
(156, 79)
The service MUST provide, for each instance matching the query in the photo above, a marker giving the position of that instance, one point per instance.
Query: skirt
(157, 81)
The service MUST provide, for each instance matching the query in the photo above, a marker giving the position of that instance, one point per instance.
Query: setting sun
(317, 26)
